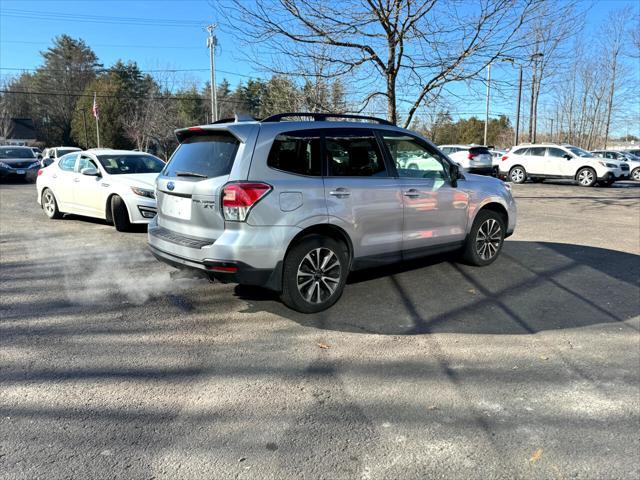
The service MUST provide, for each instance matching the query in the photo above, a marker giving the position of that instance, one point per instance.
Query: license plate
(20, 172)
(178, 207)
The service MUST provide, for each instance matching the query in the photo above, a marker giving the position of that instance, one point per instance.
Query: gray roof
(21, 129)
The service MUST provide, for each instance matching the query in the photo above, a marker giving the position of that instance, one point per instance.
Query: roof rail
(320, 117)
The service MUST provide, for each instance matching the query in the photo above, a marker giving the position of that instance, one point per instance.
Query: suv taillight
(470, 156)
(40, 172)
(239, 197)
(505, 157)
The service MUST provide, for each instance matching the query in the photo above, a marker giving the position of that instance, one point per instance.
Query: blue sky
(171, 36)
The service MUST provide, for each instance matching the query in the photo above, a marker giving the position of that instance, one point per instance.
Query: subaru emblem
(170, 186)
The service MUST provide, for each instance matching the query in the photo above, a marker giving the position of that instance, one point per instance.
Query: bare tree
(614, 40)
(396, 48)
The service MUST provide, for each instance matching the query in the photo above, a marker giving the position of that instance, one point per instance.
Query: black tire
(518, 174)
(119, 214)
(480, 250)
(50, 205)
(635, 174)
(299, 278)
(586, 177)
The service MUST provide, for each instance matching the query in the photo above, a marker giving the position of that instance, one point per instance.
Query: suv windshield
(16, 153)
(206, 156)
(64, 151)
(579, 152)
(120, 164)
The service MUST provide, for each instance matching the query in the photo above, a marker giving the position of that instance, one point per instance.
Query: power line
(136, 21)
(163, 47)
(160, 70)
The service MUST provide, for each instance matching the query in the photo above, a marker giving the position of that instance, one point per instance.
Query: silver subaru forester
(294, 206)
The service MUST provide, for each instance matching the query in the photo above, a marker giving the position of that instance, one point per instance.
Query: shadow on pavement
(532, 287)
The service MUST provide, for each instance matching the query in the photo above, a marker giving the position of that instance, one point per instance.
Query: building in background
(17, 131)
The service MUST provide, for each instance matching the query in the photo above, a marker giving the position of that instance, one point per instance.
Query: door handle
(340, 192)
(412, 193)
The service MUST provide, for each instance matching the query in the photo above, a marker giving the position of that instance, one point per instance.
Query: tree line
(138, 110)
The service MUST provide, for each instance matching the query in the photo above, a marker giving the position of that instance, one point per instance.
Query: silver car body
(382, 219)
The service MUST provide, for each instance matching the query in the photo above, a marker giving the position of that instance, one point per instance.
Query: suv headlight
(34, 164)
(4, 165)
(608, 165)
(143, 192)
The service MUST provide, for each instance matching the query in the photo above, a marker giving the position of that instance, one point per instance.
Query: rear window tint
(520, 151)
(479, 150)
(210, 155)
(296, 152)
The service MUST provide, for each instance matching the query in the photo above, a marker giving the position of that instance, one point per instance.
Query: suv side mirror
(46, 162)
(567, 156)
(91, 172)
(454, 173)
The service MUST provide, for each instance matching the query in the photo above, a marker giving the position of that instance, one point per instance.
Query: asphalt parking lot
(529, 368)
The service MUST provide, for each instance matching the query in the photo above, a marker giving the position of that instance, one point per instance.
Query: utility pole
(211, 43)
(551, 130)
(486, 118)
(84, 120)
(515, 140)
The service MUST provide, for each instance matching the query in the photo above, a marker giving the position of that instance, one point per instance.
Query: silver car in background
(294, 206)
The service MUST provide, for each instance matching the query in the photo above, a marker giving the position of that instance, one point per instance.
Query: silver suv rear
(294, 206)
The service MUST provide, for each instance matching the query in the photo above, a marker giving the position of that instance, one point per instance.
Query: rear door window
(296, 152)
(520, 151)
(537, 151)
(205, 155)
(354, 153)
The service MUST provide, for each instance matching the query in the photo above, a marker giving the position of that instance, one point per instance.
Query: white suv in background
(623, 158)
(538, 162)
(473, 158)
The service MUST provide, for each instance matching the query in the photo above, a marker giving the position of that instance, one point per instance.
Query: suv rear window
(209, 155)
(479, 151)
(296, 152)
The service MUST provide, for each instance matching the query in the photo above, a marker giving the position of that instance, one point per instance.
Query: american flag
(95, 109)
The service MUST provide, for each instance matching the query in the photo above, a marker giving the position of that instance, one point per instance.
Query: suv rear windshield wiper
(190, 174)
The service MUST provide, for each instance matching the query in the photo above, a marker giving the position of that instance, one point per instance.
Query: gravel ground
(112, 368)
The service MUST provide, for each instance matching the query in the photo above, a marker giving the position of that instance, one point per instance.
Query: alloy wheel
(636, 174)
(319, 275)
(585, 177)
(488, 239)
(49, 204)
(517, 175)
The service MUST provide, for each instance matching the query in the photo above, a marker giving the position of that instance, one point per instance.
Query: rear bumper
(254, 254)
(225, 272)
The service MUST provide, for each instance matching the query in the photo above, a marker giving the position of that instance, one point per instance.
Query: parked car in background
(115, 185)
(538, 162)
(18, 162)
(37, 152)
(54, 153)
(294, 206)
(472, 158)
(633, 151)
(622, 157)
(496, 156)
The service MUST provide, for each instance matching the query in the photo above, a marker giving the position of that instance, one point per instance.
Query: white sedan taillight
(239, 197)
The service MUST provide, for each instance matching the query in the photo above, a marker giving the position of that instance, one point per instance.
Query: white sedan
(115, 185)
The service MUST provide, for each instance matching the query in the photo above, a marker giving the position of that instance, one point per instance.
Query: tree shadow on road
(532, 287)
